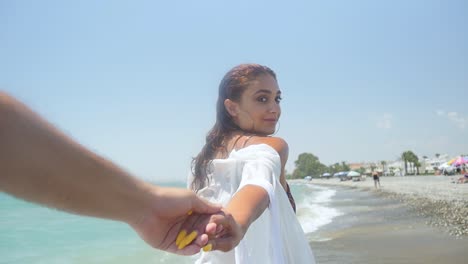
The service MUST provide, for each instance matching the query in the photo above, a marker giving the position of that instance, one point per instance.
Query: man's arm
(41, 164)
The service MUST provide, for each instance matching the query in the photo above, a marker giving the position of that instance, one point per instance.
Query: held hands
(222, 232)
(179, 222)
(168, 211)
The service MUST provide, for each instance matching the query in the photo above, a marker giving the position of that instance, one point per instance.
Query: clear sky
(137, 81)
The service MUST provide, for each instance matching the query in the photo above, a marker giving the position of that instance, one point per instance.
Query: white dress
(276, 236)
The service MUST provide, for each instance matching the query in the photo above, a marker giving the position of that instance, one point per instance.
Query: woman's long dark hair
(231, 87)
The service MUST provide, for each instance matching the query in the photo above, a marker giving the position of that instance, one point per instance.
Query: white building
(429, 165)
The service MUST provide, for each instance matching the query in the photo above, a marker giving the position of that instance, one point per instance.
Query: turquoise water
(34, 234)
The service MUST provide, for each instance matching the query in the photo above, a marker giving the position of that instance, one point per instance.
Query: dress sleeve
(261, 170)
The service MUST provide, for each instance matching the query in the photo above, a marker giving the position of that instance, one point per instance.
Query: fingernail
(189, 212)
(208, 247)
(180, 236)
(188, 239)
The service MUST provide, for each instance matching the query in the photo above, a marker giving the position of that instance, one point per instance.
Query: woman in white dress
(241, 166)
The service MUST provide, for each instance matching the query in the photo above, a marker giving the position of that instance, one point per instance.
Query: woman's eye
(278, 99)
(262, 99)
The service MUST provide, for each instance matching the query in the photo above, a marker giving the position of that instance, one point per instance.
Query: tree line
(309, 164)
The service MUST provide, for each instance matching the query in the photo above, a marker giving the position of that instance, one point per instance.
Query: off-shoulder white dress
(276, 236)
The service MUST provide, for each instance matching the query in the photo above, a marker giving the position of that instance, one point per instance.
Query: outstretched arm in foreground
(41, 164)
(232, 224)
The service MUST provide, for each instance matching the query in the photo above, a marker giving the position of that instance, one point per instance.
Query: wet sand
(382, 229)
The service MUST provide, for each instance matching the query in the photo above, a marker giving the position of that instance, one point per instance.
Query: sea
(31, 233)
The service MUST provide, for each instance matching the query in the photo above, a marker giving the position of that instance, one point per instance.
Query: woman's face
(259, 106)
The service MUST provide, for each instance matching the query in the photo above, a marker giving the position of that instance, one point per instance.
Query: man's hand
(177, 221)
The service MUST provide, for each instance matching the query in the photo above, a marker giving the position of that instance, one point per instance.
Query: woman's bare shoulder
(277, 143)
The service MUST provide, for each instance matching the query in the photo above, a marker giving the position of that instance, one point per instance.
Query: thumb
(202, 206)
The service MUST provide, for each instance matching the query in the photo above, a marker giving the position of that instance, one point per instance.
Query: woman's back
(276, 236)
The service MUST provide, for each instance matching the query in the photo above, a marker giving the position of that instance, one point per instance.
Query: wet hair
(232, 86)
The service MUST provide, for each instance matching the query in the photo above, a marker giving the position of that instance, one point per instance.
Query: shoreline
(375, 227)
(436, 198)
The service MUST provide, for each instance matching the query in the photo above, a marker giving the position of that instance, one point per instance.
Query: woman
(242, 167)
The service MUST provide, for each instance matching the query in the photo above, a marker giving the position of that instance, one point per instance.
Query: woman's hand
(221, 232)
(224, 233)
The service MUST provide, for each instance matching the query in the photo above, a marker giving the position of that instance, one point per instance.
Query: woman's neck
(240, 133)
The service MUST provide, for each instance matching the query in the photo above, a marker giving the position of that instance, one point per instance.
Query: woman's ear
(231, 107)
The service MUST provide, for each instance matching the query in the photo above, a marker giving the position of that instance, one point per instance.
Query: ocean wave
(313, 209)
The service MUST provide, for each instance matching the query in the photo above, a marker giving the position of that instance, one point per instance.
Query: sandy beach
(430, 187)
(437, 197)
(418, 219)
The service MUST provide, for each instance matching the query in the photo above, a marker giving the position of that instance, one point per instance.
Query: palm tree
(411, 158)
(405, 156)
(437, 155)
(417, 164)
(383, 163)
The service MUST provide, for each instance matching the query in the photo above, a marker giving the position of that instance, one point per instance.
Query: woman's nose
(275, 108)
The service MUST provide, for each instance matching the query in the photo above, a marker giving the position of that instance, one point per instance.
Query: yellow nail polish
(208, 247)
(188, 239)
(180, 237)
(190, 212)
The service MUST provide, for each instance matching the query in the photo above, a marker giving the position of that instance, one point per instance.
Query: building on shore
(430, 165)
(397, 167)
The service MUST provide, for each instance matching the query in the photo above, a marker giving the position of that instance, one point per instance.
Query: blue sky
(137, 81)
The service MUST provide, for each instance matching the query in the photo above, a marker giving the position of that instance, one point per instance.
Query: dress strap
(248, 138)
(235, 142)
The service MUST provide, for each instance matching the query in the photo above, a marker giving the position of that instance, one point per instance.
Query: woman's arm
(247, 205)
(251, 200)
(281, 146)
(243, 209)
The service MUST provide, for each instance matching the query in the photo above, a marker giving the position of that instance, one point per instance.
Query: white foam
(313, 210)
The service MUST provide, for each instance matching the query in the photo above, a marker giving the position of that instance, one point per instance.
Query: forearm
(41, 164)
(247, 205)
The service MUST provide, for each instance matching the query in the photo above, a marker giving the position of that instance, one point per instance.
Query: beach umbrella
(451, 161)
(445, 166)
(342, 173)
(353, 174)
(460, 161)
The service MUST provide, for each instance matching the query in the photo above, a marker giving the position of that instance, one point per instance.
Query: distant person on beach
(462, 179)
(241, 166)
(375, 175)
(40, 164)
